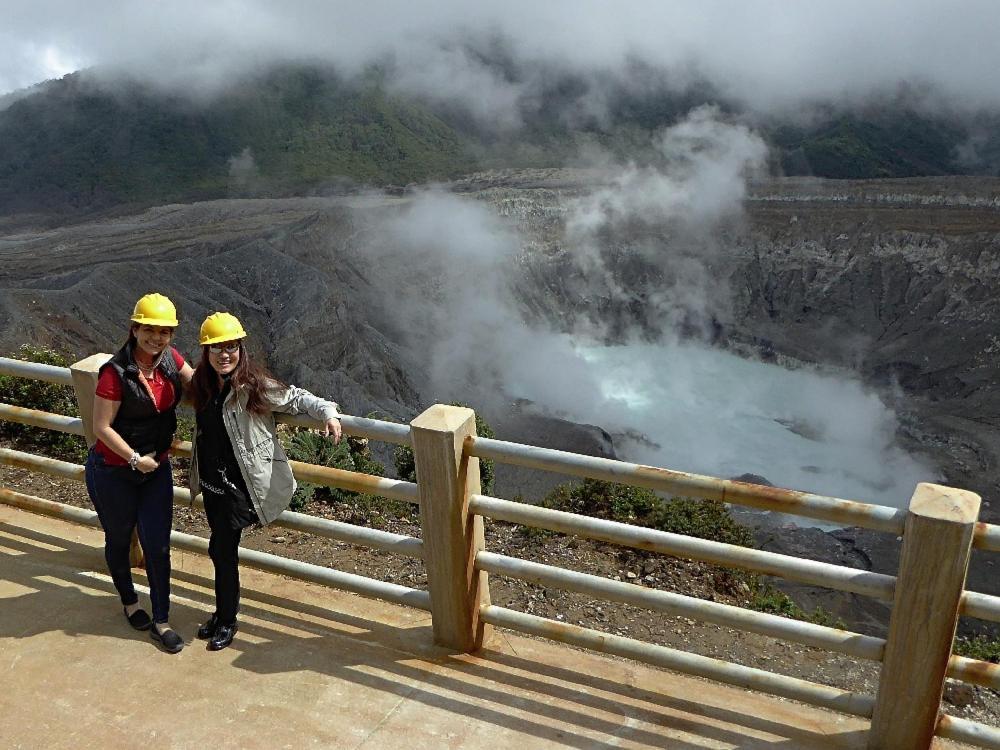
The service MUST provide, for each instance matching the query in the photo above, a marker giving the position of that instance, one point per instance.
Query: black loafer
(171, 642)
(138, 619)
(207, 630)
(224, 635)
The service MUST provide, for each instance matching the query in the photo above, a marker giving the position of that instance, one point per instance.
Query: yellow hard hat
(155, 310)
(220, 326)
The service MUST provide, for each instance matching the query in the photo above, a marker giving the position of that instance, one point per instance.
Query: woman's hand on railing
(332, 427)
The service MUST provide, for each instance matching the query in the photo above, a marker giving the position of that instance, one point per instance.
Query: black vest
(137, 420)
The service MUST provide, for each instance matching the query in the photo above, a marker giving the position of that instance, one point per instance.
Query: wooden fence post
(85, 373)
(937, 541)
(451, 535)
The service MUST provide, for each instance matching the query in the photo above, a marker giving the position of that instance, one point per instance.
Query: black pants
(223, 548)
(126, 500)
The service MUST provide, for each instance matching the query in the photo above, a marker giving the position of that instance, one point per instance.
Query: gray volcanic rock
(520, 426)
(73, 288)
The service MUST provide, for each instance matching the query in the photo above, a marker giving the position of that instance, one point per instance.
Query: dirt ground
(653, 571)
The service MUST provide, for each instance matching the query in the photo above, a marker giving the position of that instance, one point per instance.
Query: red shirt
(109, 386)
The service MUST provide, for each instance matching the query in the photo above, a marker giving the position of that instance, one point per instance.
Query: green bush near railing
(406, 466)
(705, 519)
(766, 598)
(351, 454)
(983, 647)
(50, 397)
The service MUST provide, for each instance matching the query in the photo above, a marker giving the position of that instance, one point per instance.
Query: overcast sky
(768, 53)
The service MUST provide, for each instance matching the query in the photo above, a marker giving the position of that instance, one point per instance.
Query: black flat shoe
(208, 629)
(224, 635)
(138, 619)
(171, 642)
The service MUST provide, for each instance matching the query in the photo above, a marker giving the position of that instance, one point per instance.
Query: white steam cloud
(700, 183)
(768, 54)
(454, 264)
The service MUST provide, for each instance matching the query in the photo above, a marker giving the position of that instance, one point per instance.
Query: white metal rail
(863, 582)
(847, 512)
(808, 634)
(337, 579)
(345, 532)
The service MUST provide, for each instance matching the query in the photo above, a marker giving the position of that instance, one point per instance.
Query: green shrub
(766, 598)
(980, 647)
(406, 466)
(37, 394)
(311, 447)
(351, 454)
(706, 519)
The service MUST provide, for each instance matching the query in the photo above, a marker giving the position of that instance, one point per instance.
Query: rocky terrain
(895, 281)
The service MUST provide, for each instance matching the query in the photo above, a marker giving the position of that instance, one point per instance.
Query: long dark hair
(248, 377)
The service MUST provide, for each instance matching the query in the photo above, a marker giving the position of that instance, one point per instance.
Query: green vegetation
(705, 519)
(766, 598)
(982, 647)
(351, 454)
(36, 394)
(406, 467)
(74, 144)
(894, 142)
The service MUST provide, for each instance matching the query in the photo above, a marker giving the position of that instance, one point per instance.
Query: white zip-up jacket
(261, 458)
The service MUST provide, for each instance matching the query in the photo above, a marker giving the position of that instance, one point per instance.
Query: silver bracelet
(133, 460)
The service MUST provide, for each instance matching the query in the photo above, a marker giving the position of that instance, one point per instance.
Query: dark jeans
(223, 548)
(125, 500)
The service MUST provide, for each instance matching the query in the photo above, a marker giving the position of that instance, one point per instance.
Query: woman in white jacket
(238, 464)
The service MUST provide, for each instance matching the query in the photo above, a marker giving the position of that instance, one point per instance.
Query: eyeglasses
(227, 348)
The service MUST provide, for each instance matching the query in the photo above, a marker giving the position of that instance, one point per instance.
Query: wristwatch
(133, 460)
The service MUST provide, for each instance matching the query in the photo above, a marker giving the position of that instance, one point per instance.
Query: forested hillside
(79, 145)
(76, 144)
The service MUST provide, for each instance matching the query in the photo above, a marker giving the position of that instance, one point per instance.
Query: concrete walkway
(318, 668)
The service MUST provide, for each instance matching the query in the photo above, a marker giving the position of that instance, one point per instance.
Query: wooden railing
(939, 531)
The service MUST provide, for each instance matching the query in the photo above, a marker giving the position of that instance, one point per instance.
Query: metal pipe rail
(846, 512)
(397, 544)
(45, 419)
(394, 489)
(986, 537)
(875, 585)
(981, 606)
(974, 671)
(373, 429)
(337, 579)
(35, 371)
(31, 462)
(963, 730)
(808, 634)
(345, 532)
(681, 661)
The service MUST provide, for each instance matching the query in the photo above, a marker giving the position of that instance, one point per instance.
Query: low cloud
(768, 55)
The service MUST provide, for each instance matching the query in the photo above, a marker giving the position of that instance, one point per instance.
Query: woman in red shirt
(128, 470)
